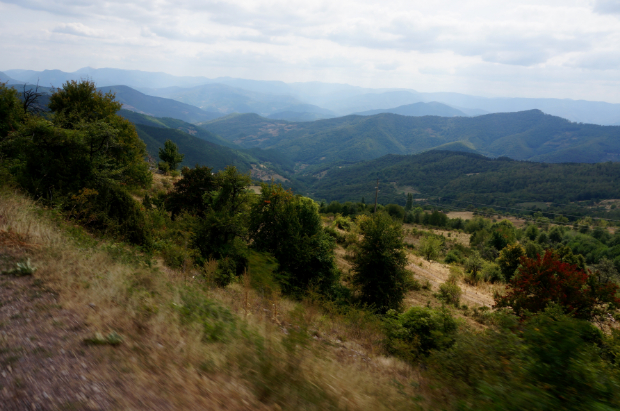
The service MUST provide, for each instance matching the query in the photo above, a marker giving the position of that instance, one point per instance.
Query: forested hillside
(528, 135)
(201, 146)
(465, 179)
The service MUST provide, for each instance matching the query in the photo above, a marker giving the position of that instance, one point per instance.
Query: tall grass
(186, 345)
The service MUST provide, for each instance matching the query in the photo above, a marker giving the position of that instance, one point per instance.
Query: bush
(450, 293)
(453, 256)
(550, 362)
(418, 331)
(492, 273)
(547, 280)
(343, 223)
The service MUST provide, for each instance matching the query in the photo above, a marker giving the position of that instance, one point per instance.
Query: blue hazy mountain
(419, 109)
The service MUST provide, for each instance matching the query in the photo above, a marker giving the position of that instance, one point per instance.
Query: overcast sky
(542, 48)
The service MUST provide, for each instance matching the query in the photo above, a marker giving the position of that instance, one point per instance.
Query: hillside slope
(157, 106)
(528, 135)
(468, 179)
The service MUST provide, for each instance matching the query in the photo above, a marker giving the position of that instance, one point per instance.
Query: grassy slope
(167, 361)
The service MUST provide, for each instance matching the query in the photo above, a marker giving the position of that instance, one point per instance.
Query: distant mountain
(466, 179)
(157, 106)
(6, 79)
(226, 99)
(528, 135)
(342, 99)
(296, 116)
(419, 109)
(106, 77)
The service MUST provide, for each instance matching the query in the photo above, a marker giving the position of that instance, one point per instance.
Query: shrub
(550, 362)
(453, 256)
(547, 280)
(473, 265)
(450, 293)
(492, 273)
(289, 227)
(419, 331)
(343, 223)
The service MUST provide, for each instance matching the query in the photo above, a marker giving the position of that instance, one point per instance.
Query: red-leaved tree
(547, 280)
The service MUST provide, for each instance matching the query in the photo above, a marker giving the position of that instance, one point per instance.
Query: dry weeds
(165, 364)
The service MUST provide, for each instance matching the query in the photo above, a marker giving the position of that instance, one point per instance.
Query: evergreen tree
(409, 205)
(170, 155)
(379, 262)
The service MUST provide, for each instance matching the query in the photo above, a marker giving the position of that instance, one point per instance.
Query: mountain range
(271, 97)
(419, 109)
(467, 179)
(528, 135)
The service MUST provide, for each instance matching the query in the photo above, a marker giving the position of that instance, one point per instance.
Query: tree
(289, 227)
(189, 192)
(10, 113)
(409, 204)
(379, 262)
(430, 247)
(509, 260)
(30, 100)
(474, 264)
(222, 233)
(84, 145)
(170, 155)
(547, 280)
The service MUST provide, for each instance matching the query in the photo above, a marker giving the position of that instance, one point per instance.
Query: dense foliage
(379, 262)
(547, 280)
(527, 135)
(289, 227)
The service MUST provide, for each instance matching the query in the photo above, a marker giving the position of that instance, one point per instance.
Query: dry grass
(293, 356)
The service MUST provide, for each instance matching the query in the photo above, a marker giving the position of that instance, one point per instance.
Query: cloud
(387, 66)
(609, 60)
(78, 29)
(387, 43)
(607, 6)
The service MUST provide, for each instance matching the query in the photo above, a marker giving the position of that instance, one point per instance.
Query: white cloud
(430, 46)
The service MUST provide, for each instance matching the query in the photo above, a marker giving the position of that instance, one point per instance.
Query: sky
(542, 48)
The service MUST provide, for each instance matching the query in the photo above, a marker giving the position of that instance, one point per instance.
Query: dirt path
(44, 364)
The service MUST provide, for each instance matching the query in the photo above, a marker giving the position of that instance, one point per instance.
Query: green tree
(84, 145)
(473, 265)
(170, 155)
(10, 113)
(222, 233)
(430, 247)
(379, 262)
(509, 260)
(409, 204)
(190, 190)
(289, 227)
